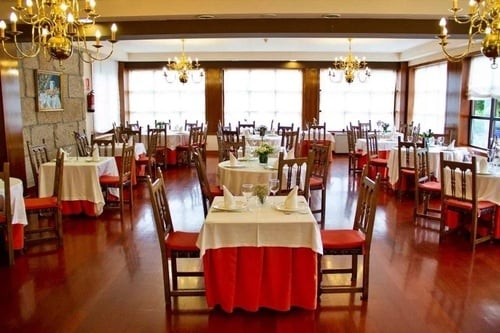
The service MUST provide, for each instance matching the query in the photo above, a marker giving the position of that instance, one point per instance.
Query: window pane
(479, 133)
(481, 108)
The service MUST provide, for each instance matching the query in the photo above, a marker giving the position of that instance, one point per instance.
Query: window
(484, 93)
(152, 98)
(342, 103)
(429, 102)
(107, 101)
(263, 95)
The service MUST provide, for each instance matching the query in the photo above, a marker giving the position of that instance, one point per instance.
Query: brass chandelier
(349, 67)
(55, 26)
(182, 68)
(484, 22)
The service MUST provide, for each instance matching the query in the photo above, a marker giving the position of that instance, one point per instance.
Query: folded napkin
(95, 153)
(66, 155)
(229, 201)
(483, 165)
(232, 159)
(451, 146)
(291, 201)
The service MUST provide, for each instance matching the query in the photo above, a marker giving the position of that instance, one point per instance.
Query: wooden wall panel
(214, 98)
(310, 100)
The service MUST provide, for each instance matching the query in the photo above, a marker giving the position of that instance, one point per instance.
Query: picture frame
(48, 91)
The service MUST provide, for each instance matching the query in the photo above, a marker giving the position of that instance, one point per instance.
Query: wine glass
(274, 185)
(440, 140)
(247, 191)
(88, 150)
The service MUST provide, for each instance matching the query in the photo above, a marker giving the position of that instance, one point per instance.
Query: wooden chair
(231, 136)
(149, 160)
(406, 129)
(173, 244)
(227, 148)
(187, 126)
(208, 191)
(365, 126)
(122, 181)
(374, 159)
(242, 126)
(163, 124)
(133, 126)
(319, 176)
(458, 193)
(283, 128)
(406, 166)
(161, 145)
(295, 171)
(82, 144)
(184, 152)
(6, 213)
(450, 134)
(316, 133)
(353, 242)
(38, 154)
(46, 207)
(125, 134)
(105, 143)
(353, 155)
(425, 186)
(290, 140)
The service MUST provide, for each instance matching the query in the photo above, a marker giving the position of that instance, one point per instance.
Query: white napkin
(229, 201)
(483, 165)
(66, 155)
(290, 155)
(232, 160)
(95, 153)
(291, 201)
(451, 146)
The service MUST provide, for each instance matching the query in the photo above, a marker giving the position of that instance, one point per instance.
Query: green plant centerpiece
(428, 137)
(263, 151)
(261, 191)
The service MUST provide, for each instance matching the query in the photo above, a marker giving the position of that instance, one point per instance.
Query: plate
(301, 207)
(236, 166)
(240, 205)
(247, 158)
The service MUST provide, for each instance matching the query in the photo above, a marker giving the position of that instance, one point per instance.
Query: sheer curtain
(263, 95)
(342, 103)
(484, 82)
(107, 100)
(429, 103)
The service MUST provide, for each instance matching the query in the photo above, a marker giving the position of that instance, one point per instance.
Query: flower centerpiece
(383, 125)
(261, 191)
(263, 151)
(429, 137)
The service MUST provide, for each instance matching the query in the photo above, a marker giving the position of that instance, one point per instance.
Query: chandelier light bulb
(183, 68)
(349, 67)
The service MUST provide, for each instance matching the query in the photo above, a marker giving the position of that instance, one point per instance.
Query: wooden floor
(107, 277)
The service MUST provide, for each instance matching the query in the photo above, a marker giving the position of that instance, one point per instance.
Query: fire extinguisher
(90, 101)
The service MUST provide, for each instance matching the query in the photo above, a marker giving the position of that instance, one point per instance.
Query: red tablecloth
(453, 218)
(252, 277)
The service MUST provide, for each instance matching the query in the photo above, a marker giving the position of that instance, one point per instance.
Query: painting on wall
(48, 91)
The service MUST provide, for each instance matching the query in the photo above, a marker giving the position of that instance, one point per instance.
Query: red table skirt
(78, 207)
(253, 277)
(18, 235)
(452, 221)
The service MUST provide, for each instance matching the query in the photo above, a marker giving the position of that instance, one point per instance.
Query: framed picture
(48, 91)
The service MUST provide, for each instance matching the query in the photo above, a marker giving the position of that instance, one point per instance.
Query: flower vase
(261, 200)
(263, 158)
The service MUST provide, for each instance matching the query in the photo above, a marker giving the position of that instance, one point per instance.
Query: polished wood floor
(107, 277)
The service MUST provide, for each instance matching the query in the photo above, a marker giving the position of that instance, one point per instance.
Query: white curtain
(107, 100)
(484, 82)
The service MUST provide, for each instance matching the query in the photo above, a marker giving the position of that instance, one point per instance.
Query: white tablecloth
(80, 179)
(260, 227)
(139, 149)
(487, 186)
(175, 139)
(452, 155)
(16, 200)
(251, 173)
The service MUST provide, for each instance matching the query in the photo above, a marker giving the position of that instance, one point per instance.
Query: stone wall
(55, 127)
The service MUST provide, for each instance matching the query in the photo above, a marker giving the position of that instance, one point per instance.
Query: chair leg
(354, 267)
(173, 260)
(366, 276)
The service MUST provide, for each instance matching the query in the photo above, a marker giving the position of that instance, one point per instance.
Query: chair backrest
(133, 126)
(415, 132)
(187, 126)
(161, 138)
(5, 211)
(127, 162)
(421, 165)
(406, 151)
(458, 181)
(351, 140)
(243, 126)
(371, 144)
(321, 161)
(152, 145)
(38, 155)
(295, 171)
(406, 129)
(366, 126)
(163, 124)
(58, 176)
(450, 134)
(230, 136)
(316, 133)
(161, 210)
(124, 134)
(290, 139)
(106, 144)
(82, 143)
(358, 134)
(203, 179)
(195, 135)
(282, 128)
(227, 148)
(366, 207)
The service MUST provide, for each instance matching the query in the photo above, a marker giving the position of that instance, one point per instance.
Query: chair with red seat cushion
(459, 194)
(406, 166)
(293, 171)
(208, 191)
(353, 242)
(319, 177)
(425, 186)
(6, 214)
(123, 180)
(353, 154)
(374, 159)
(184, 152)
(173, 244)
(46, 207)
(149, 160)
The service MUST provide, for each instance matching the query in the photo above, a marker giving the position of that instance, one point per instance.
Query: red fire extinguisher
(90, 101)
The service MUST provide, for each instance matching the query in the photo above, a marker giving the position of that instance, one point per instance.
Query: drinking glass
(440, 140)
(274, 185)
(247, 191)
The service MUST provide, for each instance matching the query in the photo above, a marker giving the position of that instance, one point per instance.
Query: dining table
(253, 141)
(246, 171)
(304, 143)
(19, 217)
(81, 191)
(175, 138)
(260, 256)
